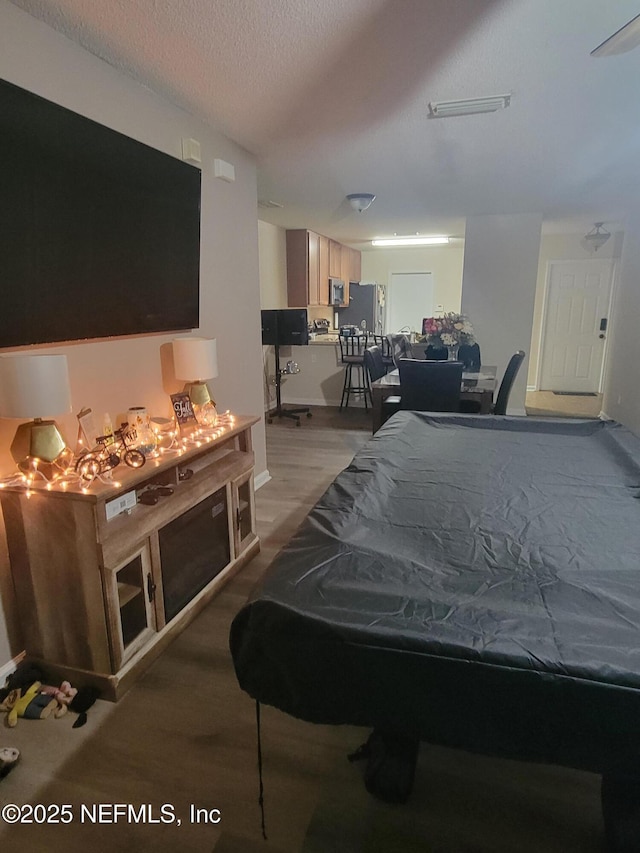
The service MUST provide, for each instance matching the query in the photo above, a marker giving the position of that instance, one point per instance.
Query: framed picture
(183, 409)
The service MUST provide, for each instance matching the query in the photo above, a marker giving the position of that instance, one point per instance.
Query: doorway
(574, 329)
(409, 299)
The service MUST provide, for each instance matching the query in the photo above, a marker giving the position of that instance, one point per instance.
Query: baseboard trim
(10, 666)
(262, 478)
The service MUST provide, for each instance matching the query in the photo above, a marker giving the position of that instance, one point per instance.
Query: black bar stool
(352, 348)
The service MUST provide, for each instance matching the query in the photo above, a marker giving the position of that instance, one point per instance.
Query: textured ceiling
(331, 96)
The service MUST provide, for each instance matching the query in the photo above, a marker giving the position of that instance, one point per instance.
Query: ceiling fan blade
(626, 38)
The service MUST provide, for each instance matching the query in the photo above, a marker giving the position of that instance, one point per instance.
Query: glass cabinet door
(130, 594)
(244, 512)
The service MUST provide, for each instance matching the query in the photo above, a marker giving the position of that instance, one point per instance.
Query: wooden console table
(99, 599)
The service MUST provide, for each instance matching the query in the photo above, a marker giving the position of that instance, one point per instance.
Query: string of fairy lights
(87, 466)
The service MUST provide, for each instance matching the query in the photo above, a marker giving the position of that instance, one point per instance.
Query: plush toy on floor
(30, 703)
(9, 757)
(63, 696)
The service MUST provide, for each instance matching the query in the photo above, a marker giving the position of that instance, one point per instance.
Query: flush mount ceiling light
(361, 201)
(471, 106)
(597, 237)
(626, 38)
(410, 241)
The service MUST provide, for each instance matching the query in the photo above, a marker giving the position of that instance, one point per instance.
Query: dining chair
(500, 405)
(430, 386)
(384, 343)
(434, 353)
(400, 348)
(469, 355)
(470, 407)
(374, 364)
(352, 349)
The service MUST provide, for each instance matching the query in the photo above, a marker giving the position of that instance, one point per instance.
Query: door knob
(601, 337)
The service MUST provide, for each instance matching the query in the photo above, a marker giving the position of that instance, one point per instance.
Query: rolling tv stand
(279, 412)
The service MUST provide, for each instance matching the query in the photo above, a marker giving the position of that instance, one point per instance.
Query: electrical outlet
(123, 503)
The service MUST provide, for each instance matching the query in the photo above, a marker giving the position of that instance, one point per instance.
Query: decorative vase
(452, 352)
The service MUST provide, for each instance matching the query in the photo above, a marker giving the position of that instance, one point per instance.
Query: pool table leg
(621, 812)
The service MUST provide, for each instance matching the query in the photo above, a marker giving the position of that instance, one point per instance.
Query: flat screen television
(99, 233)
(284, 327)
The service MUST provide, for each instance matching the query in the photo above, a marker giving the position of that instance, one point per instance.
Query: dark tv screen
(99, 233)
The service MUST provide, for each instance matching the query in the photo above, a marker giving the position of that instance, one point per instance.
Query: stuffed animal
(62, 695)
(30, 703)
(9, 757)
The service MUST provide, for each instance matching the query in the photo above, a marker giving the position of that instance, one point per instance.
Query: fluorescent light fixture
(410, 241)
(626, 38)
(442, 109)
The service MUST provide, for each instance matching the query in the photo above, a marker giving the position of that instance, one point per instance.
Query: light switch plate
(123, 503)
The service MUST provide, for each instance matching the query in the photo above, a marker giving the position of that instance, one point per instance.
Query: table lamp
(195, 360)
(35, 386)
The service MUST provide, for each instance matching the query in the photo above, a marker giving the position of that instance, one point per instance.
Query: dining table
(478, 386)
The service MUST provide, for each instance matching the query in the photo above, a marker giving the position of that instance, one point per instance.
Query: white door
(409, 300)
(574, 335)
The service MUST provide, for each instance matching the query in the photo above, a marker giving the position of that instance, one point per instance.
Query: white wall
(621, 399)
(560, 247)
(109, 376)
(498, 289)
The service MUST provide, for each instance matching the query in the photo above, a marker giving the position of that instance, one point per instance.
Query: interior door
(574, 336)
(409, 300)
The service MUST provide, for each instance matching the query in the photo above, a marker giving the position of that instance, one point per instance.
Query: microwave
(336, 291)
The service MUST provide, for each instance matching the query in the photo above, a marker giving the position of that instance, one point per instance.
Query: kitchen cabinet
(307, 269)
(99, 598)
(335, 259)
(311, 260)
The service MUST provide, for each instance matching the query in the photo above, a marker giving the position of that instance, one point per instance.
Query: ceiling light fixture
(597, 237)
(361, 201)
(410, 241)
(471, 106)
(626, 38)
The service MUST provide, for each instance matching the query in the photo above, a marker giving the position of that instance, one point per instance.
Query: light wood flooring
(185, 734)
(548, 404)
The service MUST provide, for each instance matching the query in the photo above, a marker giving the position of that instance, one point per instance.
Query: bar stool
(352, 348)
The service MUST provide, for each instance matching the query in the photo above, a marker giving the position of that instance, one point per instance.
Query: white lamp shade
(195, 358)
(34, 386)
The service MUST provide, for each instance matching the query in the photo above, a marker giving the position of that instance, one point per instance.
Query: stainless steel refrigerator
(367, 303)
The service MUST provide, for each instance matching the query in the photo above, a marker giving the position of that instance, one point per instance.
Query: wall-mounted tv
(99, 234)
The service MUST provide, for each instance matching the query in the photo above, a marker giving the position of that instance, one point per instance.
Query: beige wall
(621, 399)
(109, 376)
(498, 288)
(443, 262)
(560, 247)
(272, 252)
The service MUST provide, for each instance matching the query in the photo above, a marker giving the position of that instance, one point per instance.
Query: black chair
(470, 407)
(500, 405)
(430, 386)
(469, 355)
(384, 343)
(400, 346)
(352, 349)
(374, 363)
(376, 369)
(433, 353)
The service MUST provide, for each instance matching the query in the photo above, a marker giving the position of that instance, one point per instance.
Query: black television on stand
(284, 327)
(99, 233)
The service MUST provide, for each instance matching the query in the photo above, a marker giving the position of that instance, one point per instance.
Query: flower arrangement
(450, 330)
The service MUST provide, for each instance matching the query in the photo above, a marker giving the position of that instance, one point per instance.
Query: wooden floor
(185, 735)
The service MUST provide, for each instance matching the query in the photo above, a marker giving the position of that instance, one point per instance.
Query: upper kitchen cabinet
(335, 259)
(307, 269)
(355, 265)
(311, 261)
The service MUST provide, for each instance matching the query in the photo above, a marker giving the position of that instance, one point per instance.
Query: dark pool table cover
(473, 581)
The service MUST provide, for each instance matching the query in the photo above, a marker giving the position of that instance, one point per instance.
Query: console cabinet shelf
(99, 599)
